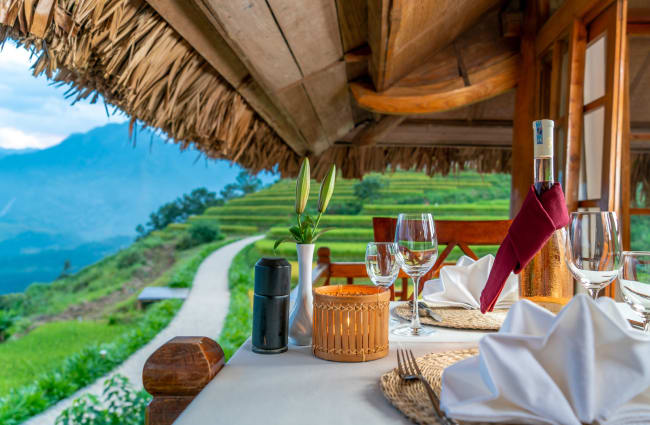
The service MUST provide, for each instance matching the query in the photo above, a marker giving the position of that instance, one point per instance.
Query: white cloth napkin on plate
(461, 285)
(586, 364)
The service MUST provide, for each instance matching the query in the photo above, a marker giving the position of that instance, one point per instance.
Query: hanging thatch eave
(124, 51)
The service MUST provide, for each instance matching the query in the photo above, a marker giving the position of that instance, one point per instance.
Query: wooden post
(176, 372)
(577, 50)
(522, 132)
(625, 161)
(324, 258)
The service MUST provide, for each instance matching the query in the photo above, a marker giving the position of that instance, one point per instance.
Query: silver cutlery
(408, 370)
(422, 306)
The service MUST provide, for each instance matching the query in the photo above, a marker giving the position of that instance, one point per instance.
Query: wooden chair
(450, 233)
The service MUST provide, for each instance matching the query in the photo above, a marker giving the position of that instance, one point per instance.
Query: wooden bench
(152, 294)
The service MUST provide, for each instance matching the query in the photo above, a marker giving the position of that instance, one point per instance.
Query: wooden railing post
(176, 372)
(325, 260)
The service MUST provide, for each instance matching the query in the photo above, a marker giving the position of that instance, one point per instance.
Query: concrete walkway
(202, 314)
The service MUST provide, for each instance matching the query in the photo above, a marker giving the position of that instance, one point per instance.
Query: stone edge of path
(210, 283)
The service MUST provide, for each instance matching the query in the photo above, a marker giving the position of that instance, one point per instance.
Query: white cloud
(14, 58)
(13, 138)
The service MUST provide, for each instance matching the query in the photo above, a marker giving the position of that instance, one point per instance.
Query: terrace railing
(450, 233)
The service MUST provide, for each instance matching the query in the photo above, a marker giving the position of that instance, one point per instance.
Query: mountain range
(87, 194)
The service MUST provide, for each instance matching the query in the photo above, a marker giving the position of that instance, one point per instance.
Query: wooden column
(577, 49)
(176, 372)
(626, 161)
(522, 137)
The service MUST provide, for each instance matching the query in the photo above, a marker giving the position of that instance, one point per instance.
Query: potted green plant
(305, 233)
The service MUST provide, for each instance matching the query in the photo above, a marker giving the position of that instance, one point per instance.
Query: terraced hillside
(465, 196)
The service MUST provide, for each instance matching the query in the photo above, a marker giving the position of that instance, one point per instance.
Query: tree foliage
(368, 189)
(179, 210)
(244, 184)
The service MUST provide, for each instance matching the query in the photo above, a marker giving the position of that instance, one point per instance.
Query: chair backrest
(451, 233)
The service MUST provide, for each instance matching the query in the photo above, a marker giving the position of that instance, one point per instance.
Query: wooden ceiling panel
(403, 34)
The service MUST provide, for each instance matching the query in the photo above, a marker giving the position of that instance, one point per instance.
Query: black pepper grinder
(271, 305)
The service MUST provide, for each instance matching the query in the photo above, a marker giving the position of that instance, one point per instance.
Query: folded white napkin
(461, 285)
(586, 364)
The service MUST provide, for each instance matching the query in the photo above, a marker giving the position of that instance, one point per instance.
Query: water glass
(634, 283)
(381, 263)
(594, 249)
(417, 251)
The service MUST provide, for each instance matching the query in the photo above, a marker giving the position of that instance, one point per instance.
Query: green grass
(237, 326)
(348, 234)
(366, 220)
(477, 209)
(237, 229)
(352, 251)
(44, 349)
(244, 219)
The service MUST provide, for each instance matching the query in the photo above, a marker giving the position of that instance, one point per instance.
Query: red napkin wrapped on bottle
(538, 218)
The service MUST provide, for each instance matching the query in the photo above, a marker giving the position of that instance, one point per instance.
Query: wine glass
(594, 249)
(381, 263)
(634, 283)
(417, 251)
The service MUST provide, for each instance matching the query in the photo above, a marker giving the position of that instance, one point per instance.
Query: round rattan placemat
(411, 398)
(458, 318)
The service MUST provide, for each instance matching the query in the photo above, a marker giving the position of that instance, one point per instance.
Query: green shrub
(199, 234)
(7, 319)
(369, 188)
(128, 258)
(120, 404)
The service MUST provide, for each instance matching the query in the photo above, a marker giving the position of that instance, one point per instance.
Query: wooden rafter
(486, 83)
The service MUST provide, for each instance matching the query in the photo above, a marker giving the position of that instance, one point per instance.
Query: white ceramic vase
(301, 318)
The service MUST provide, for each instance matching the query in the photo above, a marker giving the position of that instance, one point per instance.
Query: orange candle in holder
(350, 323)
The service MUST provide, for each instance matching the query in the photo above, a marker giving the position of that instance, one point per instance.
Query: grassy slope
(94, 306)
(44, 349)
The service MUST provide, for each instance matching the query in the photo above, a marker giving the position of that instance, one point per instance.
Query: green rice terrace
(465, 196)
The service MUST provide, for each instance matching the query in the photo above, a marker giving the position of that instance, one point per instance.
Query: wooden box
(350, 323)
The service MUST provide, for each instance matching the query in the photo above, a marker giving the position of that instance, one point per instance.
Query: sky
(33, 113)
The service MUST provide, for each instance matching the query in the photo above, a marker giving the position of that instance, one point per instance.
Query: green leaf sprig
(306, 230)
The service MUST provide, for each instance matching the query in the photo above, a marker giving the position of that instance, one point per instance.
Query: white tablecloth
(297, 388)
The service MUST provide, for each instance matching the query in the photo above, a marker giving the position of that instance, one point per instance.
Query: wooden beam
(433, 133)
(403, 34)
(198, 31)
(640, 211)
(522, 131)
(486, 83)
(353, 23)
(574, 100)
(375, 131)
(563, 18)
(616, 17)
(626, 159)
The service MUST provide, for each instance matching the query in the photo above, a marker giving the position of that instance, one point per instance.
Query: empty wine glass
(594, 249)
(381, 263)
(634, 283)
(417, 251)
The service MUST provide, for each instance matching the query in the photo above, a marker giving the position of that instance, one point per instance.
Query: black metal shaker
(271, 305)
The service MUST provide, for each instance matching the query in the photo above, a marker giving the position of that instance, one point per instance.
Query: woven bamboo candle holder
(350, 323)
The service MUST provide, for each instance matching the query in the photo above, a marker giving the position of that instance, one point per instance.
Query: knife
(422, 306)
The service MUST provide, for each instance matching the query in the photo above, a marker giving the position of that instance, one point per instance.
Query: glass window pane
(593, 153)
(595, 70)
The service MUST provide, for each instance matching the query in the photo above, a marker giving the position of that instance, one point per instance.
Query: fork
(408, 370)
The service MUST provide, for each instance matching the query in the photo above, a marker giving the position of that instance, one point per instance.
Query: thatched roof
(263, 83)
(123, 50)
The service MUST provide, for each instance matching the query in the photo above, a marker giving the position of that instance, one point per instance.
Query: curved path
(202, 313)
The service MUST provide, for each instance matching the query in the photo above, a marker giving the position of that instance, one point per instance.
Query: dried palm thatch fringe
(640, 178)
(355, 162)
(123, 50)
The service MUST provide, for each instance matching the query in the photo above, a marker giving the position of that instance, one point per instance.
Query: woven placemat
(458, 318)
(411, 397)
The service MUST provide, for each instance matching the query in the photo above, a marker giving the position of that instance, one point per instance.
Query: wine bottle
(547, 274)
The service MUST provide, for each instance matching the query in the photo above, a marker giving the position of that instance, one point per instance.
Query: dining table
(296, 387)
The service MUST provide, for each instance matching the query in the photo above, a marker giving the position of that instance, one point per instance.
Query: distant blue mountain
(81, 200)
(99, 185)
(7, 152)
